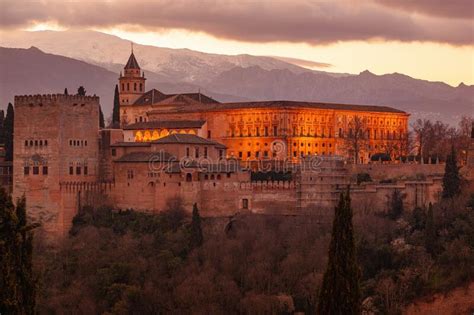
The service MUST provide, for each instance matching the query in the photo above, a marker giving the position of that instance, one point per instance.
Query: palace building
(248, 129)
(193, 148)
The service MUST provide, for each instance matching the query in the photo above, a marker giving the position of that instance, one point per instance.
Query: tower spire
(131, 43)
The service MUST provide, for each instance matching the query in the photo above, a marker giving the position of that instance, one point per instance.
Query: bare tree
(356, 139)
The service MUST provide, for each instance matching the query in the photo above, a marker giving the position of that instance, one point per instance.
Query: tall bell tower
(132, 82)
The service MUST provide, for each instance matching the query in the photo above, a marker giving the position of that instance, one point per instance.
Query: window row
(78, 143)
(35, 170)
(79, 170)
(36, 143)
(315, 145)
(135, 87)
(302, 154)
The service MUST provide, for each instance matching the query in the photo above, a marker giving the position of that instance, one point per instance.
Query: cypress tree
(116, 110)
(396, 205)
(81, 91)
(430, 231)
(66, 92)
(101, 118)
(18, 294)
(451, 178)
(9, 132)
(340, 289)
(2, 126)
(196, 230)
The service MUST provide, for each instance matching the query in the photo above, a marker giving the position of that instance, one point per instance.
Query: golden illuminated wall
(250, 133)
(155, 134)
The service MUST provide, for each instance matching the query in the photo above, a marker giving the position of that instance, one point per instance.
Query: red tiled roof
(181, 138)
(282, 105)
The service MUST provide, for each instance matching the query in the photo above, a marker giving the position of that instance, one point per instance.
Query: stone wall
(55, 140)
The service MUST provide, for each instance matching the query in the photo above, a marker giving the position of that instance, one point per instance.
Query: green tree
(66, 92)
(18, 293)
(116, 110)
(101, 118)
(9, 132)
(196, 230)
(430, 231)
(340, 288)
(396, 205)
(451, 178)
(81, 91)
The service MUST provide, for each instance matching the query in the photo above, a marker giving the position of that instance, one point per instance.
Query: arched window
(123, 88)
(141, 87)
(128, 86)
(135, 86)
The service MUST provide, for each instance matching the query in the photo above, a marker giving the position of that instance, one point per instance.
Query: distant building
(191, 147)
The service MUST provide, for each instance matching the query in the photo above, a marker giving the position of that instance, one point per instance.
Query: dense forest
(125, 262)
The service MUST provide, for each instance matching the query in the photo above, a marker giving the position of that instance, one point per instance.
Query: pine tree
(340, 289)
(18, 294)
(196, 230)
(81, 91)
(451, 178)
(116, 110)
(66, 92)
(9, 132)
(101, 118)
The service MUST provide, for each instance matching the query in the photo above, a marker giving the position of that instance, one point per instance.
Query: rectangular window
(265, 153)
(86, 170)
(35, 170)
(114, 152)
(196, 152)
(209, 134)
(71, 170)
(266, 131)
(249, 154)
(188, 152)
(205, 152)
(240, 154)
(275, 130)
(26, 170)
(78, 170)
(45, 170)
(245, 203)
(257, 154)
(221, 153)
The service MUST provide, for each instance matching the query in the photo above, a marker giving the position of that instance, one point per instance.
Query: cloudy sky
(429, 39)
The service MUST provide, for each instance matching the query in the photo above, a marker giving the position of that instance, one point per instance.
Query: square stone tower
(55, 143)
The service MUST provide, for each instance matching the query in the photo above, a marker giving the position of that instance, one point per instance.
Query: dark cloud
(313, 22)
(462, 9)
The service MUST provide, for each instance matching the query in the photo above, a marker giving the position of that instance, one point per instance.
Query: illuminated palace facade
(250, 130)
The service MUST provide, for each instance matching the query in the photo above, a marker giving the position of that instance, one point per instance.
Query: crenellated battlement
(45, 99)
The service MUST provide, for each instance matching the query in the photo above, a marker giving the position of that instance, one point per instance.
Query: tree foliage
(196, 229)
(396, 205)
(9, 121)
(18, 287)
(116, 109)
(340, 288)
(451, 178)
(81, 91)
